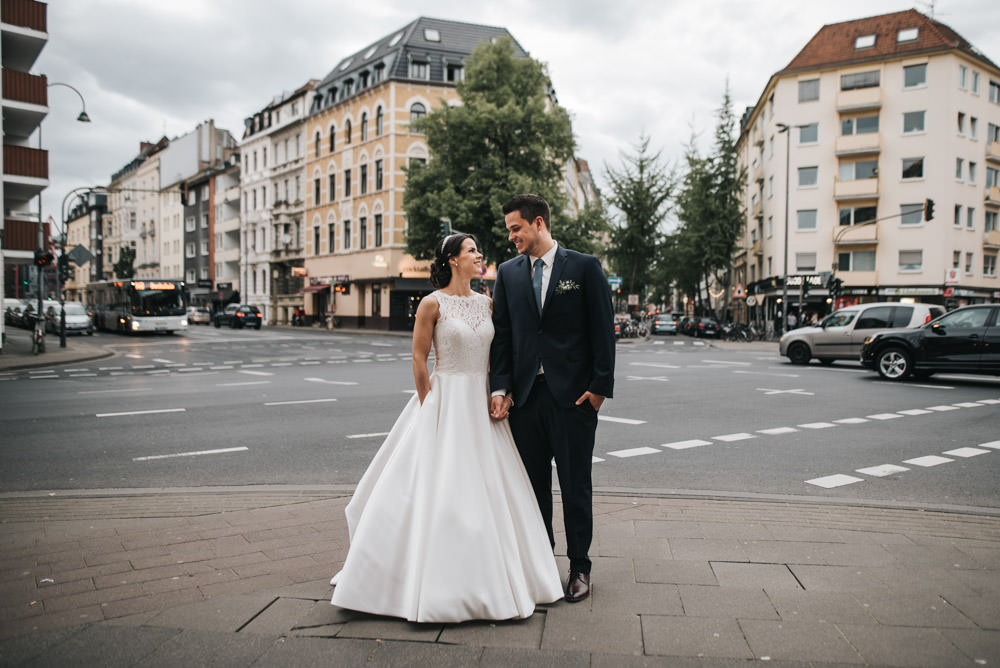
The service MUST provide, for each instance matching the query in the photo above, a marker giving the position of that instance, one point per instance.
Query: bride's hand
(500, 407)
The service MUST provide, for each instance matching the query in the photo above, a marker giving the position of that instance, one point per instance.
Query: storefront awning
(315, 288)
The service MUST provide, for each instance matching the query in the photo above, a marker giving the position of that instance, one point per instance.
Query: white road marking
(969, 404)
(817, 425)
(929, 460)
(727, 438)
(130, 389)
(219, 368)
(255, 373)
(79, 375)
(249, 382)
(990, 402)
(777, 431)
(915, 411)
(941, 409)
(300, 401)
(361, 361)
(655, 364)
(678, 343)
(372, 435)
(697, 343)
(134, 356)
(191, 454)
(608, 418)
(330, 382)
(769, 391)
(252, 366)
(86, 369)
(233, 362)
(143, 366)
(932, 387)
(633, 452)
(593, 460)
(158, 410)
(884, 416)
(882, 470)
(728, 363)
(162, 361)
(381, 345)
(281, 364)
(839, 369)
(851, 421)
(995, 445)
(830, 481)
(662, 379)
(684, 445)
(309, 363)
(966, 452)
(659, 343)
(764, 373)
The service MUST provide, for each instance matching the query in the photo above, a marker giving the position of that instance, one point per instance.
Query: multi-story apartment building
(225, 188)
(134, 205)
(25, 168)
(357, 141)
(871, 119)
(272, 174)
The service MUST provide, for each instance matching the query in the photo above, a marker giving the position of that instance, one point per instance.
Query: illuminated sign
(152, 285)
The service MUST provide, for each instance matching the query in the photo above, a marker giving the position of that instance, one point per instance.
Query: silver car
(841, 334)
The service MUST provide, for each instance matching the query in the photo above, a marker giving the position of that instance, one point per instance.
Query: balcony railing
(993, 151)
(20, 234)
(856, 234)
(857, 189)
(991, 239)
(859, 99)
(993, 195)
(858, 144)
(24, 87)
(24, 13)
(25, 161)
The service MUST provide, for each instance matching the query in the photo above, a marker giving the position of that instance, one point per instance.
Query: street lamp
(83, 117)
(785, 128)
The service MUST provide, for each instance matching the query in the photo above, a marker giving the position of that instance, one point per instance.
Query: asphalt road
(222, 407)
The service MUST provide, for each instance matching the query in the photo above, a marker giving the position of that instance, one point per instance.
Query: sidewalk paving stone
(674, 572)
(726, 602)
(821, 606)
(193, 647)
(755, 576)
(719, 637)
(798, 641)
(596, 631)
(914, 610)
(899, 646)
(280, 616)
(524, 633)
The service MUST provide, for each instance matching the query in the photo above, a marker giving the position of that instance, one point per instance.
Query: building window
(959, 163)
(204, 221)
(913, 122)
(859, 125)
(316, 191)
(347, 183)
(958, 215)
(420, 70)
(770, 147)
(860, 80)
(298, 188)
(862, 169)
(769, 230)
(317, 143)
(970, 217)
(363, 232)
(333, 138)
(972, 173)
(417, 111)
(960, 123)
(911, 214)
(809, 134)
(191, 276)
(808, 176)
(364, 126)
(956, 259)
(809, 90)
(989, 264)
(975, 82)
(992, 177)
(805, 262)
(858, 215)
(204, 247)
(805, 220)
(347, 131)
(331, 237)
(189, 250)
(856, 261)
(316, 240)
(455, 73)
(915, 75)
(991, 221)
(333, 186)
(189, 224)
(378, 175)
(994, 91)
(913, 168)
(363, 177)
(378, 122)
(864, 42)
(911, 260)
(347, 235)
(907, 34)
(378, 229)
(968, 262)
(770, 186)
(963, 76)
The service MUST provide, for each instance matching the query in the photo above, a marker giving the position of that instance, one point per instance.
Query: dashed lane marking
(661, 379)
(134, 356)
(725, 363)
(915, 411)
(831, 481)
(995, 445)
(777, 431)
(300, 401)
(885, 416)
(817, 425)
(608, 418)
(928, 461)
(249, 382)
(129, 389)
(331, 382)
(684, 445)
(633, 452)
(764, 373)
(255, 373)
(770, 391)
(191, 454)
(942, 409)
(851, 420)
(162, 361)
(990, 402)
(655, 364)
(882, 470)
(728, 438)
(149, 412)
(371, 435)
(969, 404)
(966, 452)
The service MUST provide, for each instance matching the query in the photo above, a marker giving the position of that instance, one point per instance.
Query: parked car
(966, 340)
(664, 323)
(704, 327)
(839, 336)
(239, 315)
(13, 311)
(198, 314)
(77, 319)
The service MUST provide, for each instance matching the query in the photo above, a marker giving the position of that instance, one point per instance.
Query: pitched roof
(834, 44)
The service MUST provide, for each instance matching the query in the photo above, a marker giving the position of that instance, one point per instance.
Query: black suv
(239, 315)
(966, 340)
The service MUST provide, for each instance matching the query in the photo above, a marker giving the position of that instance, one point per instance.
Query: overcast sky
(620, 67)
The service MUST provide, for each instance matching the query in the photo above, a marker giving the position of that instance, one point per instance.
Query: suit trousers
(543, 431)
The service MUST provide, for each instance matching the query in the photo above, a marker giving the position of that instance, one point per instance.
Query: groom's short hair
(530, 207)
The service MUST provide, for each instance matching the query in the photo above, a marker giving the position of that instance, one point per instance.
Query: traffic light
(928, 209)
(43, 258)
(805, 287)
(833, 285)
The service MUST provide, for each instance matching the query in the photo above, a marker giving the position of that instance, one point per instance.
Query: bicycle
(38, 337)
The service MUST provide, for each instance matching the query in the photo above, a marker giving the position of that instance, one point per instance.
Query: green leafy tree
(587, 232)
(641, 191)
(125, 266)
(508, 136)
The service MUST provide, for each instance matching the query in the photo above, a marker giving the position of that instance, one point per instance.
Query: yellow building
(358, 141)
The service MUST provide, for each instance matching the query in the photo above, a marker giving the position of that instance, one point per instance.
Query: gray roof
(395, 51)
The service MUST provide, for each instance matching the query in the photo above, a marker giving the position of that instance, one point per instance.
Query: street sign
(633, 300)
(615, 282)
(80, 255)
(751, 301)
(952, 276)
(738, 292)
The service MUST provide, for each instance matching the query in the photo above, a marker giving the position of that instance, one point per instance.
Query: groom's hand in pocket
(596, 400)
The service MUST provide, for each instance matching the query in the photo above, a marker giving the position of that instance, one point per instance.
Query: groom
(551, 367)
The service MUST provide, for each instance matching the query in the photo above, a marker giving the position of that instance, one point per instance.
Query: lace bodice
(463, 334)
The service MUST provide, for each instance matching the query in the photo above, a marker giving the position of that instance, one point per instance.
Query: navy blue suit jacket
(573, 338)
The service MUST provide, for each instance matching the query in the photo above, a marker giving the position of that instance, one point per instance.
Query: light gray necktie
(536, 282)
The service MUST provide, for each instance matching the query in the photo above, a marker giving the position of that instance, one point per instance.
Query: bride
(443, 525)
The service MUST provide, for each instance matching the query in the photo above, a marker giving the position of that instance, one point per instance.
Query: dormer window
(420, 70)
(864, 42)
(370, 52)
(378, 73)
(346, 64)
(348, 88)
(432, 35)
(395, 40)
(907, 34)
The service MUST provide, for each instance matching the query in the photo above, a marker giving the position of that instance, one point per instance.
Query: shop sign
(900, 292)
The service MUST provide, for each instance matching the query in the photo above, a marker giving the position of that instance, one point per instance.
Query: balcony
(860, 144)
(20, 234)
(865, 279)
(758, 210)
(993, 152)
(856, 234)
(857, 189)
(24, 32)
(991, 240)
(758, 174)
(993, 195)
(25, 102)
(756, 249)
(860, 99)
(25, 173)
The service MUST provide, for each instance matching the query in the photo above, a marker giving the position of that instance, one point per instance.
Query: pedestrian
(551, 368)
(443, 525)
(792, 320)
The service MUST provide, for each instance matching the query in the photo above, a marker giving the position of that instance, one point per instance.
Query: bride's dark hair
(449, 247)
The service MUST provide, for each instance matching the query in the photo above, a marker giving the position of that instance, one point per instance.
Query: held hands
(595, 400)
(500, 407)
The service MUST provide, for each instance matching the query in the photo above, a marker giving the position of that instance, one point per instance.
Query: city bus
(134, 305)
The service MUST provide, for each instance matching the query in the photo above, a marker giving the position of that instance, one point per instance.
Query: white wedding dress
(444, 526)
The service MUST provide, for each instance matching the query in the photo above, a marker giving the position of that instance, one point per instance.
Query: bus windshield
(157, 302)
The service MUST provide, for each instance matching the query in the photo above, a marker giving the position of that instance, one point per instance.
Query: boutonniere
(562, 287)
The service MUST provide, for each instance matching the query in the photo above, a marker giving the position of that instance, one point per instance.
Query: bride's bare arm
(423, 333)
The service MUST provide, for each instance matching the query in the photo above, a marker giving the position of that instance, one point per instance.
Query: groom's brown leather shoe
(578, 587)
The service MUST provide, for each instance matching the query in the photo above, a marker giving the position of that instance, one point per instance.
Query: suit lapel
(522, 271)
(558, 264)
